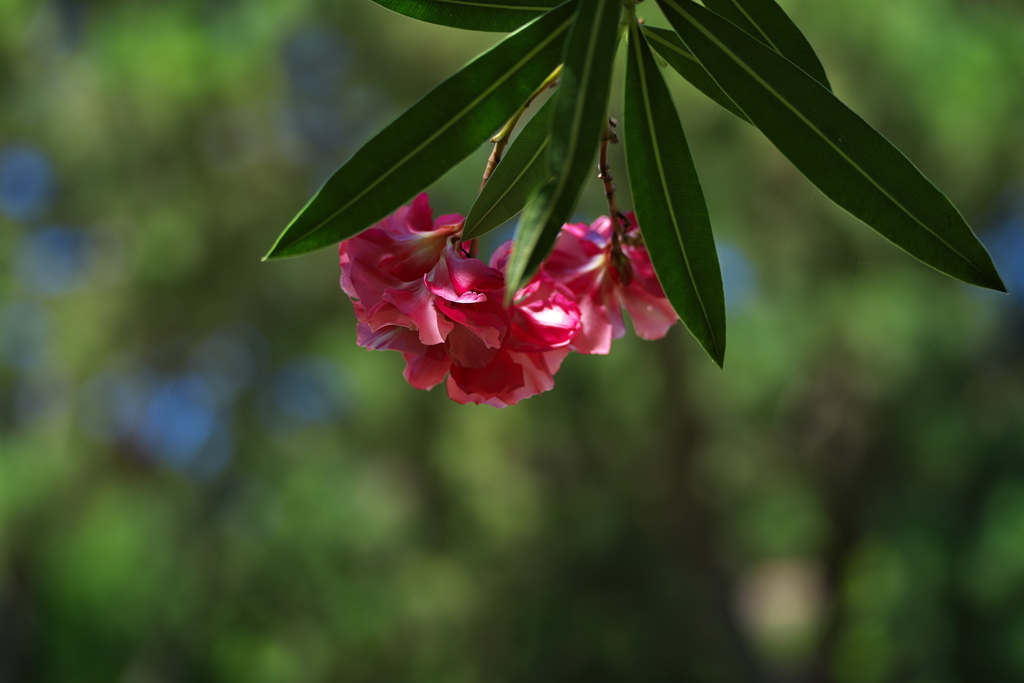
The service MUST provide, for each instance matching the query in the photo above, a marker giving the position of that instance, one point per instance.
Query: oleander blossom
(416, 291)
(602, 282)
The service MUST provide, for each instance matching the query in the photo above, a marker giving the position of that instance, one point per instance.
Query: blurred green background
(203, 478)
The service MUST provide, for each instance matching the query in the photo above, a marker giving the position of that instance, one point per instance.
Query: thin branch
(501, 140)
(619, 221)
(604, 172)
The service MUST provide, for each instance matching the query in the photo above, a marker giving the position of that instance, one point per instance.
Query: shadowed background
(203, 478)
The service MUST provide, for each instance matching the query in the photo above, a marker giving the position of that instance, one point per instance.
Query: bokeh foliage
(203, 478)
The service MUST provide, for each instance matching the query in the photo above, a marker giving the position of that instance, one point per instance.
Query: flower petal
(652, 315)
(499, 378)
(489, 323)
(462, 279)
(544, 316)
(418, 304)
(390, 338)
(406, 244)
(417, 217)
(426, 370)
(600, 323)
(538, 372)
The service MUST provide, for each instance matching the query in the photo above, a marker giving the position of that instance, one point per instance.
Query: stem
(619, 221)
(604, 172)
(501, 140)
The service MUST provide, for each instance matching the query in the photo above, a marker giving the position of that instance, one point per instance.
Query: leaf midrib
(563, 177)
(664, 185)
(441, 130)
(577, 113)
(671, 46)
(756, 25)
(824, 137)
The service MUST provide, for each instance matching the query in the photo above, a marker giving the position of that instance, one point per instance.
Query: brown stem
(619, 221)
(492, 161)
(604, 172)
(501, 140)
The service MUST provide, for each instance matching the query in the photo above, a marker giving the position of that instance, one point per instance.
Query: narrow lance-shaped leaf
(669, 202)
(433, 135)
(770, 24)
(516, 180)
(475, 15)
(580, 110)
(848, 160)
(667, 44)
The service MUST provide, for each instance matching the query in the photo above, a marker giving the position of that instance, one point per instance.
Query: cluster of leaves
(746, 55)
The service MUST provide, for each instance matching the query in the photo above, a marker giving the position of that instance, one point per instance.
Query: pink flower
(405, 245)
(602, 282)
(544, 319)
(415, 291)
(383, 269)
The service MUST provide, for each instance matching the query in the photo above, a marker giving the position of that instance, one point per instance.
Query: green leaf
(578, 120)
(667, 44)
(475, 15)
(770, 24)
(669, 202)
(433, 135)
(522, 172)
(848, 160)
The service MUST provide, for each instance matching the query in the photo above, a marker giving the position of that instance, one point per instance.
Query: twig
(620, 224)
(619, 221)
(501, 140)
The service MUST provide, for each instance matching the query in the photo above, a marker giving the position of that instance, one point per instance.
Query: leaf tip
(714, 346)
(717, 354)
(279, 252)
(469, 230)
(998, 285)
(283, 249)
(271, 254)
(989, 279)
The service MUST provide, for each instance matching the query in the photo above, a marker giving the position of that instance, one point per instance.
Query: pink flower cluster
(417, 290)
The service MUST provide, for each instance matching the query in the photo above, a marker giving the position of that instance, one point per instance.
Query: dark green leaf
(731, 11)
(770, 24)
(475, 15)
(433, 135)
(667, 44)
(669, 202)
(848, 160)
(579, 117)
(522, 172)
